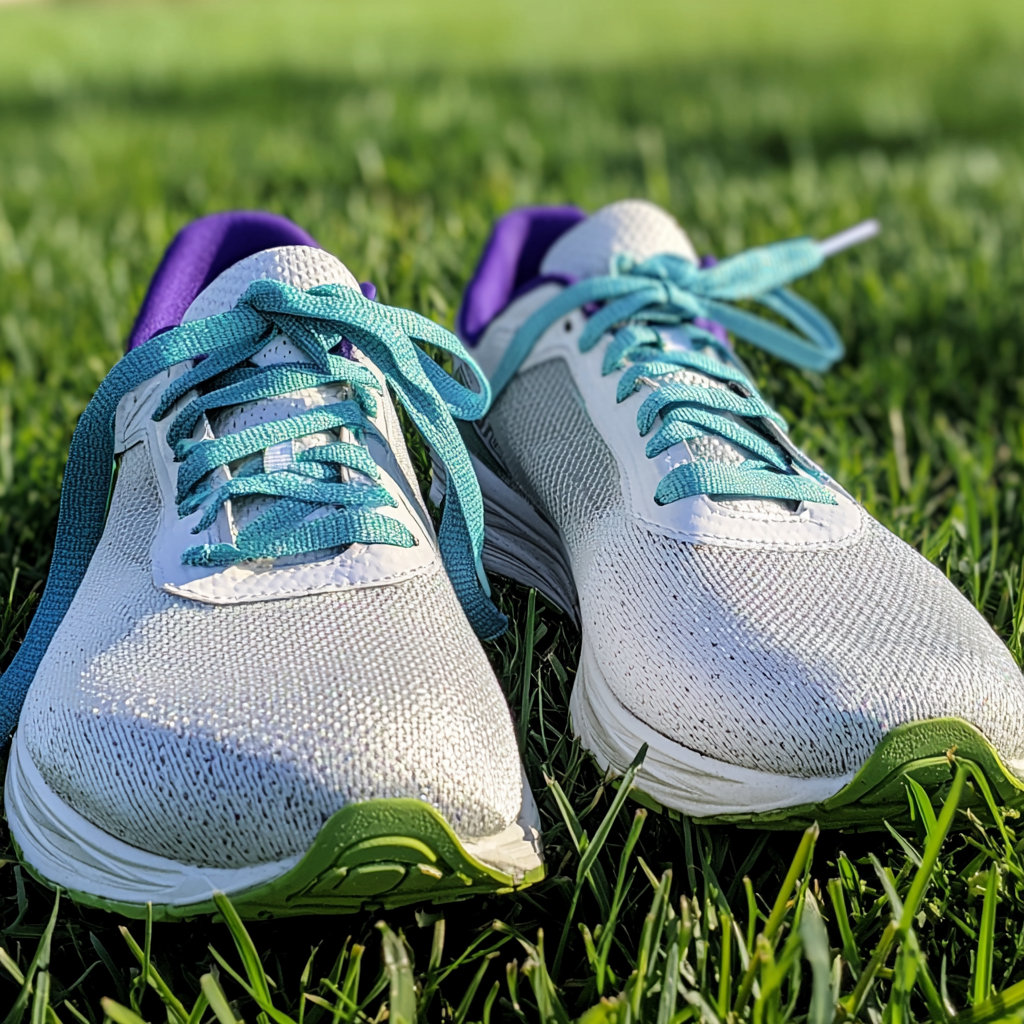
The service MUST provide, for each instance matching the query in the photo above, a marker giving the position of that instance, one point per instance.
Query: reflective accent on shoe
(213, 714)
(763, 639)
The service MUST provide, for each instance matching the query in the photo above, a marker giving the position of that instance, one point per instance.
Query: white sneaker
(254, 673)
(783, 655)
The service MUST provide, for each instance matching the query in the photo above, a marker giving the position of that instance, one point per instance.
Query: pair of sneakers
(256, 669)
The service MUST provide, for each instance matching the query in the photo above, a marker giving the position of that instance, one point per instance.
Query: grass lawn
(396, 133)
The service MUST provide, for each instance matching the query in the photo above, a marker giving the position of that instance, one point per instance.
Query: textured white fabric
(632, 226)
(674, 774)
(224, 735)
(791, 662)
(70, 851)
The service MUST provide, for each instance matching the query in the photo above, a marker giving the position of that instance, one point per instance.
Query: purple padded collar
(510, 267)
(201, 251)
(511, 258)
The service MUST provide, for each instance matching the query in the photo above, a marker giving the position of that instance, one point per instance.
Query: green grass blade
(40, 962)
(549, 1005)
(11, 967)
(576, 830)
(623, 881)
(669, 984)
(888, 886)
(434, 975)
(123, 1015)
(489, 1002)
(307, 973)
(921, 806)
(199, 1008)
(526, 697)
(986, 791)
(1005, 1006)
(926, 983)
(77, 1014)
(691, 869)
(814, 937)
(837, 894)
(402, 998)
(752, 914)
(922, 878)
(350, 987)
(596, 844)
(216, 998)
(41, 998)
(725, 967)
(982, 987)
(462, 1010)
(650, 941)
(896, 929)
(912, 854)
(175, 1007)
(267, 1008)
(800, 862)
(137, 990)
(339, 963)
(251, 962)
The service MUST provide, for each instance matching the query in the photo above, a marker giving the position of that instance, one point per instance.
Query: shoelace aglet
(850, 237)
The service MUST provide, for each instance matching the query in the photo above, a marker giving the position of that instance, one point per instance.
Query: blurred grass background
(397, 131)
(50, 48)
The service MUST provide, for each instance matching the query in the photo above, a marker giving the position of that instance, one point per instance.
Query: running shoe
(784, 657)
(254, 667)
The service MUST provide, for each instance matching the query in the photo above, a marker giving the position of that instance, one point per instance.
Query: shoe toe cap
(799, 663)
(225, 736)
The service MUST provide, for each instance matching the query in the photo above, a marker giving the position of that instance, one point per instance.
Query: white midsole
(70, 851)
(674, 775)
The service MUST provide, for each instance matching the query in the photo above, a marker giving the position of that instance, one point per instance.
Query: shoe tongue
(642, 230)
(304, 267)
(300, 265)
(632, 226)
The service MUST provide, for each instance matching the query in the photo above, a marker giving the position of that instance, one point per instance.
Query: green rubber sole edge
(374, 855)
(923, 751)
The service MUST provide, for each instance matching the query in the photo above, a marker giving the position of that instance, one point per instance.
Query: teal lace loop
(668, 292)
(316, 321)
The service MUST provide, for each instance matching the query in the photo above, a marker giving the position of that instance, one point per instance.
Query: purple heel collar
(510, 266)
(511, 259)
(201, 251)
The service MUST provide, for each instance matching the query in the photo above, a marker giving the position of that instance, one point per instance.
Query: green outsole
(923, 751)
(377, 854)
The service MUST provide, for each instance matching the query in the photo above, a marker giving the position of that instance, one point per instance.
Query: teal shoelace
(318, 322)
(667, 291)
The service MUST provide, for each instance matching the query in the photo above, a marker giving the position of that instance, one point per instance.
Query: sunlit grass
(401, 175)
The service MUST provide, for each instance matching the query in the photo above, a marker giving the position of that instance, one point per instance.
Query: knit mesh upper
(781, 661)
(226, 735)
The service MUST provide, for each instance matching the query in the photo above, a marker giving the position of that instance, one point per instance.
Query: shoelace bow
(668, 291)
